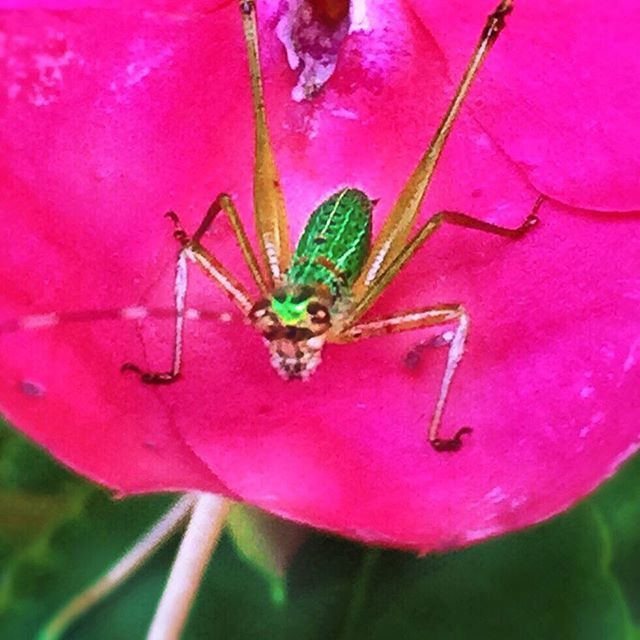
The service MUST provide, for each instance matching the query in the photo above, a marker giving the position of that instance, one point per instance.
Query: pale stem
(121, 571)
(204, 528)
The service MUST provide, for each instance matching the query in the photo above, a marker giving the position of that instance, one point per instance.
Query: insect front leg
(225, 204)
(180, 293)
(213, 268)
(421, 318)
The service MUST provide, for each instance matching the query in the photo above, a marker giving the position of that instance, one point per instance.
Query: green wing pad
(335, 242)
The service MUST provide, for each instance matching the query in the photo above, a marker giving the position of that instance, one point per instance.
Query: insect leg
(196, 252)
(225, 204)
(217, 272)
(269, 208)
(396, 228)
(383, 279)
(180, 293)
(416, 320)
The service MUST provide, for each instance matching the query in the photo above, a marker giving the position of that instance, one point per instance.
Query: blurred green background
(577, 576)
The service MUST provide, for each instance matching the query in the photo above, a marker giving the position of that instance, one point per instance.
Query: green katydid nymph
(318, 293)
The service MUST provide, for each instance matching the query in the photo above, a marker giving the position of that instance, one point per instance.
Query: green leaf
(25, 467)
(26, 514)
(573, 577)
(266, 542)
(75, 531)
(617, 503)
(544, 583)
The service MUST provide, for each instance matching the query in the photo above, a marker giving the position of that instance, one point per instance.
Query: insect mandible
(318, 293)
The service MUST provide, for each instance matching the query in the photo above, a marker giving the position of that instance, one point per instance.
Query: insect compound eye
(318, 312)
(259, 310)
(263, 318)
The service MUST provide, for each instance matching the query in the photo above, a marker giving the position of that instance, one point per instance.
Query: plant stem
(121, 571)
(203, 531)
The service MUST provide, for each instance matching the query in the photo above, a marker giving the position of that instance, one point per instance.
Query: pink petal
(139, 114)
(563, 95)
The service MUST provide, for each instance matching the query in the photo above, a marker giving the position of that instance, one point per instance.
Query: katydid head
(294, 322)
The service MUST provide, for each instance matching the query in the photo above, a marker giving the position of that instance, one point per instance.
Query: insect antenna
(39, 321)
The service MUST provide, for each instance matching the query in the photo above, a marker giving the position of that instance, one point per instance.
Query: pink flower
(109, 118)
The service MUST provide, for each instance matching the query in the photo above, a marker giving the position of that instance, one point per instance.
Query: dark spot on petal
(412, 359)
(30, 388)
(264, 409)
(439, 341)
(331, 12)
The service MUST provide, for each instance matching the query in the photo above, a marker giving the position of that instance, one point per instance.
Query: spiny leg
(450, 217)
(217, 272)
(269, 209)
(398, 225)
(417, 320)
(224, 203)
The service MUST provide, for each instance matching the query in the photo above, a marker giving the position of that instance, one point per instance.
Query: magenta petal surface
(563, 97)
(112, 117)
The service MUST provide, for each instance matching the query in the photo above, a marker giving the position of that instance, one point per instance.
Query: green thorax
(335, 243)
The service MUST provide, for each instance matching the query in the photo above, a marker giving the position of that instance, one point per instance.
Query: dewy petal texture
(110, 118)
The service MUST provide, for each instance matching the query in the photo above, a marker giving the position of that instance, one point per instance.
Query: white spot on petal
(482, 533)
(358, 16)
(496, 495)
(347, 114)
(633, 356)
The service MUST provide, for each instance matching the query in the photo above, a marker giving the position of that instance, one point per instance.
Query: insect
(319, 291)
